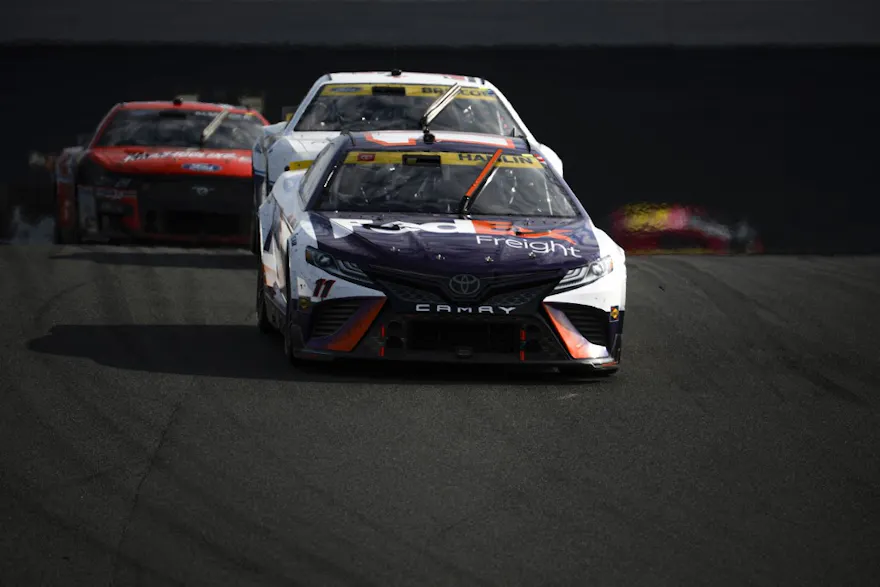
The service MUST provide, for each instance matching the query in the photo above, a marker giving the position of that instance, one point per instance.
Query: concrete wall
(785, 138)
(420, 23)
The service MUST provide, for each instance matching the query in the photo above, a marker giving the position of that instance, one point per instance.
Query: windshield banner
(475, 159)
(411, 90)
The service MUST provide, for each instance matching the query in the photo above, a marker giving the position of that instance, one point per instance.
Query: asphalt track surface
(150, 436)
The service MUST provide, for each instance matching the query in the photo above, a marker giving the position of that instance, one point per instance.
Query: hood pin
(489, 259)
(532, 254)
(439, 257)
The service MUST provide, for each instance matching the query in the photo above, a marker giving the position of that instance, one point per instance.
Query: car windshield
(401, 106)
(179, 128)
(435, 183)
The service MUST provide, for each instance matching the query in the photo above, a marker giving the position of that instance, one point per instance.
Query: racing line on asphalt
(151, 436)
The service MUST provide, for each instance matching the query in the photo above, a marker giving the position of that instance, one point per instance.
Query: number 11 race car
(446, 246)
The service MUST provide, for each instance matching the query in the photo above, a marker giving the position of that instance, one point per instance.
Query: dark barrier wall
(456, 23)
(784, 137)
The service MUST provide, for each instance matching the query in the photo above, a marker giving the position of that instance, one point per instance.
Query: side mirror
(82, 139)
(288, 111)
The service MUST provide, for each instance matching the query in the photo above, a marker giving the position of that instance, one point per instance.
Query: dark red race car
(674, 228)
(175, 171)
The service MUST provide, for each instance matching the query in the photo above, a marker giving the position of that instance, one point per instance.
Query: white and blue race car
(381, 101)
(438, 246)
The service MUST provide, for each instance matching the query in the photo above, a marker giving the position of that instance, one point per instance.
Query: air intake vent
(411, 294)
(592, 323)
(329, 317)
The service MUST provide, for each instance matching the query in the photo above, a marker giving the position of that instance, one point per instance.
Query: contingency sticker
(475, 159)
(411, 90)
(299, 165)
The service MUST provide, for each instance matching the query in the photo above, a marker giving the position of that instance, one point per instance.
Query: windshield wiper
(435, 109)
(467, 201)
(213, 126)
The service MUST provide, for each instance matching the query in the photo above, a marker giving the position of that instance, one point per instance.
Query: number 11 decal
(322, 288)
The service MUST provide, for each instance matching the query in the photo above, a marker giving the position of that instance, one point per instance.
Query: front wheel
(70, 234)
(263, 323)
(255, 229)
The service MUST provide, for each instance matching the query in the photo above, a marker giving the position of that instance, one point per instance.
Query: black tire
(263, 323)
(57, 236)
(255, 249)
(69, 236)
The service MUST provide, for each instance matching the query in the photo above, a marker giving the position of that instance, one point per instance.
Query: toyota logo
(202, 190)
(464, 285)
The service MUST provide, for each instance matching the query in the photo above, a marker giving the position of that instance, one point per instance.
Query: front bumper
(554, 334)
(169, 209)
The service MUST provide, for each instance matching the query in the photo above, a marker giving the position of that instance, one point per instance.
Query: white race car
(446, 246)
(381, 101)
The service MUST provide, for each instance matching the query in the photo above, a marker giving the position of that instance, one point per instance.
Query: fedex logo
(398, 227)
(485, 232)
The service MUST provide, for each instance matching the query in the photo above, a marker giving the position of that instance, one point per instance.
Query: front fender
(259, 152)
(278, 155)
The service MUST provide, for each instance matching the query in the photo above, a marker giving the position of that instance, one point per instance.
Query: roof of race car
(202, 106)
(405, 77)
(398, 140)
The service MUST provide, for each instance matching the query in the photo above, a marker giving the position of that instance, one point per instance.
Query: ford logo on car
(202, 190)
(201, 167)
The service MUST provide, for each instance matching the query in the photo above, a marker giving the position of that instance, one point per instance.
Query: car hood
(168, 160)
(447, 245)
(308, 144)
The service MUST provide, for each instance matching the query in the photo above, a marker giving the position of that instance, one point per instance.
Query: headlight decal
(586, 274)
(343, 269)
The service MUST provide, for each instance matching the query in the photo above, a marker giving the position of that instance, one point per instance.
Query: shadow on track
(240, 352)
(227, 259)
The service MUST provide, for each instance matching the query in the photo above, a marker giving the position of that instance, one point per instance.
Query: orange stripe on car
(353, 334)
(578, 346)
(406, 142)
